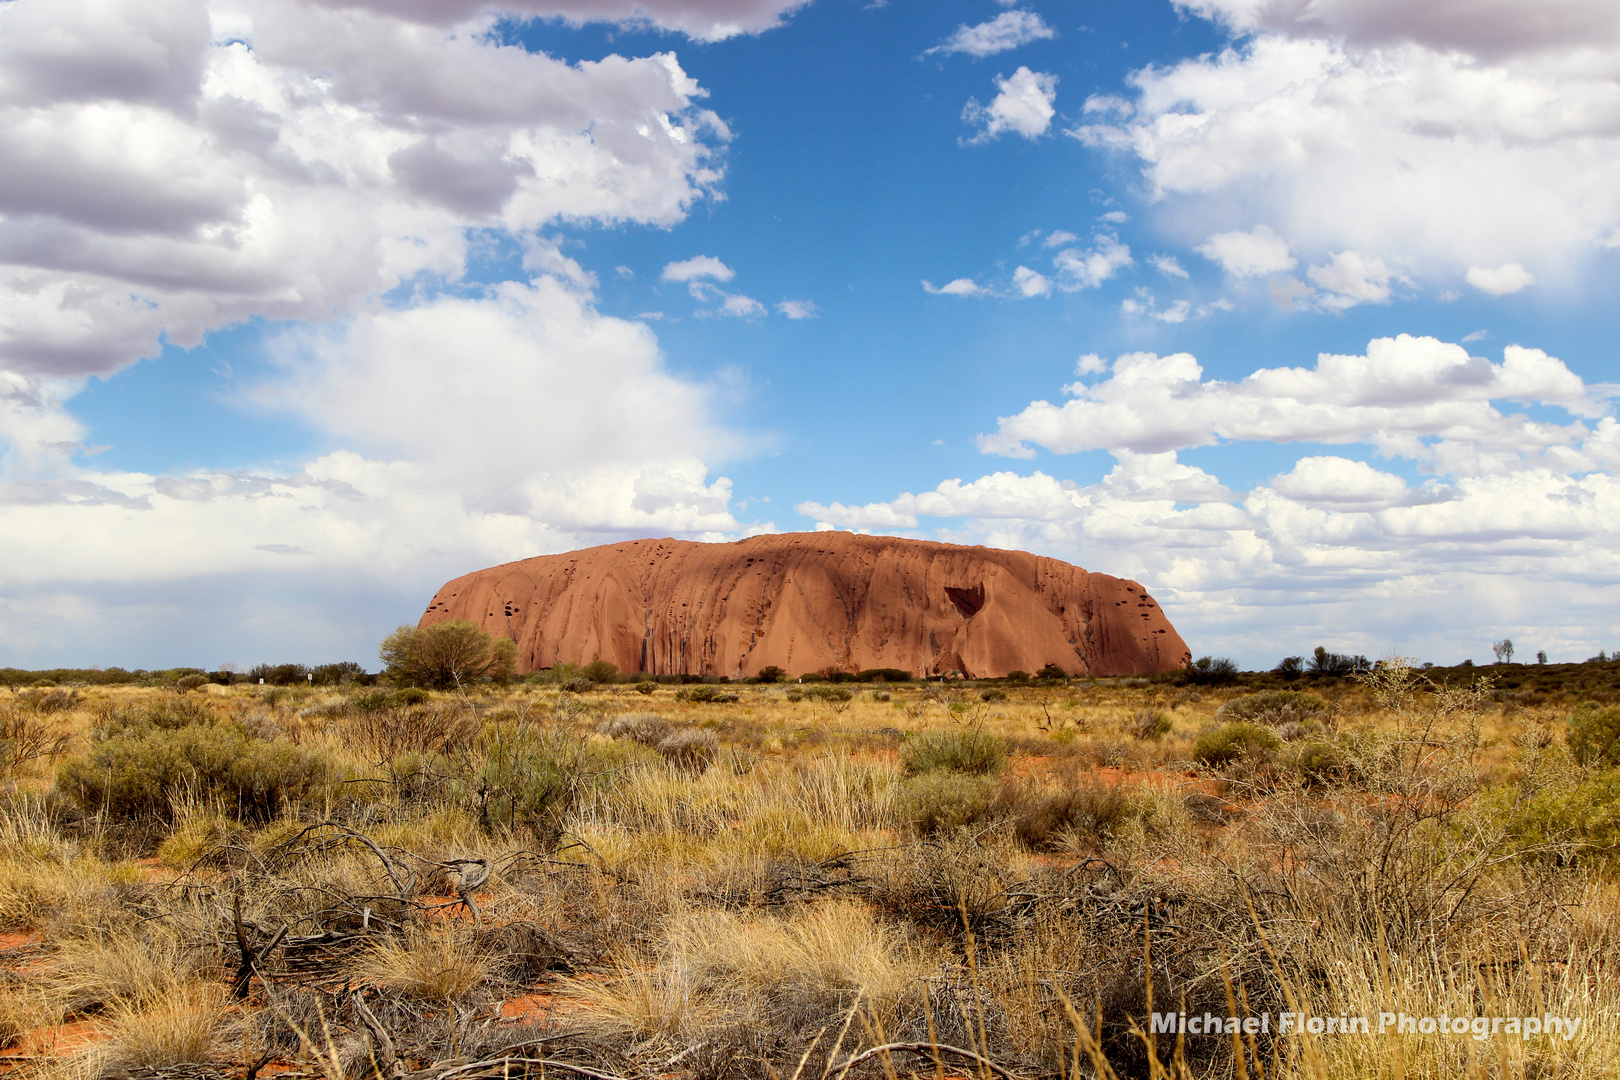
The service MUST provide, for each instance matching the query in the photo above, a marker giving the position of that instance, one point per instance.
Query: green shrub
(940, 801)
(1569, 822)
(1320, 761)
(883, 674)
(600, 671)
(1594, 736)
(1018, 676)
(1052, 671)
(705, 692)
(972, 751)
(190, 682)
(770, 673)
(527, 776)
(1274, 707)
(138, 772)
(1234, 742)
(645, 686)
(993, 694)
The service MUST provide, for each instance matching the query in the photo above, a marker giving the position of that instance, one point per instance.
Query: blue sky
(308, 305)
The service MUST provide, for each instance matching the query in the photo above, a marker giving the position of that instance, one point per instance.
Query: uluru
(806, 602)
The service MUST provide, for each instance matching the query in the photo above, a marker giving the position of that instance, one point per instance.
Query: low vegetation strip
(892, 879)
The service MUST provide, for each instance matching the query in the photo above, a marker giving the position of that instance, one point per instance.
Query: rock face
(809, 601)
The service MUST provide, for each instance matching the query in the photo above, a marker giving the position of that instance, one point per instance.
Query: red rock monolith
(807, 602)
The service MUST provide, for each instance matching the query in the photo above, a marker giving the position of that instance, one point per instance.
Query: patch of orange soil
(59, 1040)
(19, 940)
(534, 1008)
(451, 907)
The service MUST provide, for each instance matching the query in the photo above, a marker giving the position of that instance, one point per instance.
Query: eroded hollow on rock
(967, 601)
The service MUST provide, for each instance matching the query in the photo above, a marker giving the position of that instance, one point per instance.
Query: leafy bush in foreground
(139, 772)
(1234, 742)
(1594, 736)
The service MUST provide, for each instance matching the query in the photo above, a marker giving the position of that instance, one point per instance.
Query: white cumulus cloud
(1249, 254)
(1030, 283)
(698, 268)
(162, 181)
(1087, 268)
(798, 309)
(1006, 31)
(1352, 278)
(1023, 105)
(1501, 281)
(1409, 396)
(1434, 135)
(956, 287)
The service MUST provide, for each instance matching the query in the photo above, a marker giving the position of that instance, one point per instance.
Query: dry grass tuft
(189, 1025)
(433, 966)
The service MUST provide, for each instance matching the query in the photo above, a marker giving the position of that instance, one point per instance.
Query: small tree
(446, 655)
(1541, 656)
(771, 673)
(1503, 650)
(1290, 667)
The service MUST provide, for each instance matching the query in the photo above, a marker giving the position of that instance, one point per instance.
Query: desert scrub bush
(525, 776)
(384, 734)
(48, 702)
(140, 771)
(1084, 818)
(1567, 821)
(706, 693)
(1239, 741)
(377, 700)
(1151, 724)
(691, 749)
(648, 729)
(27, 735)
(1320, 762)
(167, 711)
(971, 751)
(1274, 708)
(1593, 735)
(993, 694)
(942, 800)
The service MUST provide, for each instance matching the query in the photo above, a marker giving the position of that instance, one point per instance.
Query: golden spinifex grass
(1047, 880)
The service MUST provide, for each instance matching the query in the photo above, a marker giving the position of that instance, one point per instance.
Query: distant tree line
(346, 672)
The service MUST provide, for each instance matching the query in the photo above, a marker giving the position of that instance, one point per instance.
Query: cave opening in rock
(967, 601)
